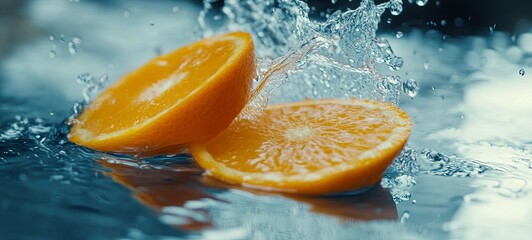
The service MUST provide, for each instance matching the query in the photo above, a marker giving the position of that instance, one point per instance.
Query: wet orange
(185, 96)
(310, 147)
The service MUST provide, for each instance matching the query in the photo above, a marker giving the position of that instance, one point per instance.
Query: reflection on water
(178, 187)
(466, 175)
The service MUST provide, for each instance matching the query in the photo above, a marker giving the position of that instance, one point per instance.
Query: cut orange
(310, 147)
(186, 96)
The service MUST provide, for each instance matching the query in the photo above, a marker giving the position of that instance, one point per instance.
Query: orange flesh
(165, 81)
(311, 147)
(300, 139)
(189, 95)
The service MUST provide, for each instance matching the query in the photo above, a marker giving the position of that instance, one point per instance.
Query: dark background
(462, 17)
(477, 16)
(513, 16)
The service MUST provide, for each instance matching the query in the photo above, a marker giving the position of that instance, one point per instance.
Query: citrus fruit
(185, 96)
(309, 147)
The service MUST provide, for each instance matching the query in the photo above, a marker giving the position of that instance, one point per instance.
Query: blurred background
(451, 17)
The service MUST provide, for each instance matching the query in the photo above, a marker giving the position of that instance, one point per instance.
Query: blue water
(465, 175)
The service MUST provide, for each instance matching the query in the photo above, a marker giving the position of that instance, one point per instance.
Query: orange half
(185, 96)
(310, 147)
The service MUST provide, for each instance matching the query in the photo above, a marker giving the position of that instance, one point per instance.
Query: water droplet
(522, 72)
(438, 3)
(443, 22)
(175, 9)
(492, 28)
(126, 13)
(72, 48)
(414, 201)
(389, 20)
(103, 78)
(399, 34)
(76, 39)
(334, 1)
(52, 54)
(404, 217)
(426, 65)
(152, 23)
(395, 63)
(51, 37)
(410, 87)
(396, 7)
(421, 2)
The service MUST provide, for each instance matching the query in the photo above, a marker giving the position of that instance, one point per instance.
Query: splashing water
(299, 58)
(92, 84)
(337, 58)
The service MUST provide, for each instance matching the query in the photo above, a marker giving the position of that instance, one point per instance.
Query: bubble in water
(396, 7)
(52, 54)
(443, 22)
(175, 9)
(410, 87)
(522, 72)
(152, 23)
(51, 37)
(421, 2)
(399, 34)
(126, 13)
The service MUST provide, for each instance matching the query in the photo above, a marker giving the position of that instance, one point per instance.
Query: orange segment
(189, 95)
(310, 147)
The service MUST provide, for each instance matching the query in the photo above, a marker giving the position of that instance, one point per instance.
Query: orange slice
(310, 147)
(186, 96)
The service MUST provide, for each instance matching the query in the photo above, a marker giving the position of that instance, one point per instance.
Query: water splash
(92, 84)
(437, 163)
(336, 58)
